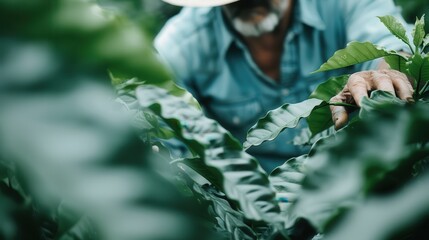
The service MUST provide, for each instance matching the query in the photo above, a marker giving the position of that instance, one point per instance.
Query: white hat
(199, 3)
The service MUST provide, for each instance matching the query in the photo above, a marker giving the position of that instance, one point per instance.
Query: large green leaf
(354, 53)
(321, 118)
(378, 101)
(126, 89)
(352, 165)
(418, 32)
(418, 67)
(68, 139)
(397, 62)
(242, 178)
(277, 120)
(396, 28)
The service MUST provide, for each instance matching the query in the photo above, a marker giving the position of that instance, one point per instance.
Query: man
(241, 59)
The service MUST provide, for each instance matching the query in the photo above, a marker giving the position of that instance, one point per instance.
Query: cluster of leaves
(360, 182)
(214, 158)
(411, 9)
(333, 189)
(415, 65)
(353, 169)
(71, 166)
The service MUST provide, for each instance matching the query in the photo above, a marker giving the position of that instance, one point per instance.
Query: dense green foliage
(370, 161)
(411, 9)
(71, 166)
(81, 161)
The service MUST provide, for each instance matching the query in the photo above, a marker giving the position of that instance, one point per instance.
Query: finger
(358, 86)
(404, 89)
(339, 113)
(339, 116)
(382, 81)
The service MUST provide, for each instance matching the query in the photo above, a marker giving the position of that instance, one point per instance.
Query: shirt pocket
(237, 116)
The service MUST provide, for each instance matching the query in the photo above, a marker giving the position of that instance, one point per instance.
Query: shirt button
(285, 91)
(236, 120)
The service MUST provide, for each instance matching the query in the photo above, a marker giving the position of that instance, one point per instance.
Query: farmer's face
(255, 17)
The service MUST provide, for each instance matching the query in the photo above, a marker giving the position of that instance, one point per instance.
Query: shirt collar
(226, 36)
(305, 10)
(309, 14)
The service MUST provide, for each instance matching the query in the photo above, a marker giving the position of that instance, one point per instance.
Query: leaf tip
(246, 145)
(316, 71)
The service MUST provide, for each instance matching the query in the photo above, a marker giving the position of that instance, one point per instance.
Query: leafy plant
(71, 167)
(74, 165)
(349, 173)
(221, 174)
(415, 65)
(411, 9)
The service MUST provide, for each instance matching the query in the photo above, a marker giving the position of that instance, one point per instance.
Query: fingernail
(410, 100)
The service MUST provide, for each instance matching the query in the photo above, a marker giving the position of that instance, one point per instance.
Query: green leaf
(287, 180)
(418, 67)
(377, 102)
(354, 53)
(153, 126)
(396, 28)
(220, 155)
(331, 87)
(397, 62)
(126, 89)
(277, 120)
(321, 118)
(418, 32)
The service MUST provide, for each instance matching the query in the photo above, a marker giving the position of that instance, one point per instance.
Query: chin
(253, 28)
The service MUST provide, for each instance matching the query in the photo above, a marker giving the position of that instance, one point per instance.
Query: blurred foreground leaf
(364, 158)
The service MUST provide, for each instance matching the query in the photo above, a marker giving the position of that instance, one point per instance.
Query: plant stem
(411, 48)
(424, 88)
(417, 92)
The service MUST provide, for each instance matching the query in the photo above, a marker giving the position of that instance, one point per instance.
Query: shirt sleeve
(362, 24)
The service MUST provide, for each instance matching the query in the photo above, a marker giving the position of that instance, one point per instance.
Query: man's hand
(360, 83)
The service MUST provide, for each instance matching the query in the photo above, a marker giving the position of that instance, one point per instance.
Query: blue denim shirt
(211, 62)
